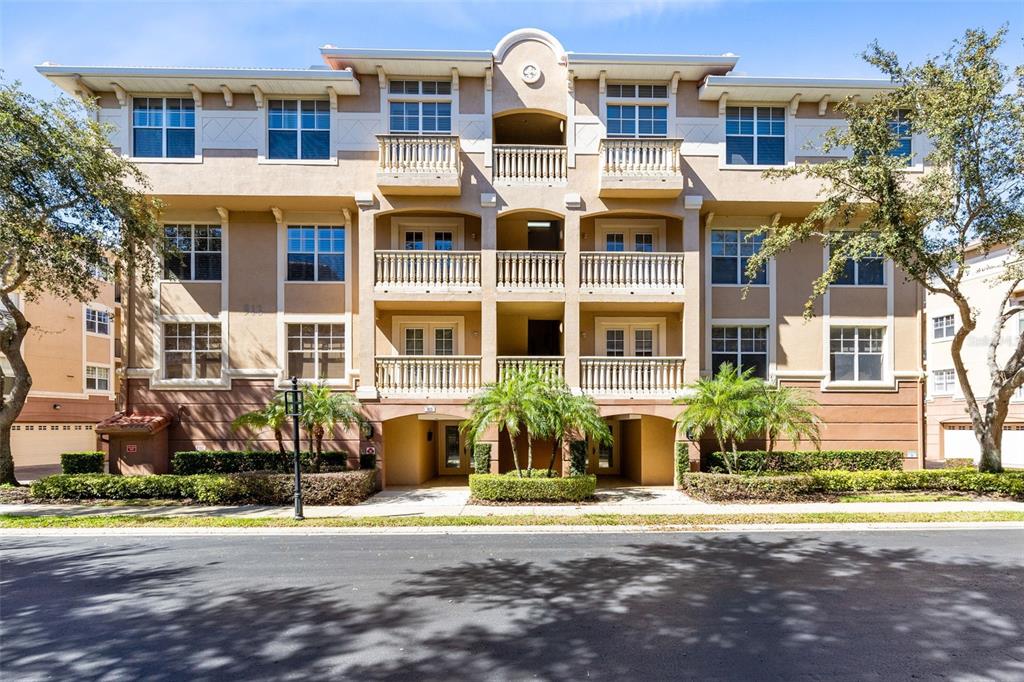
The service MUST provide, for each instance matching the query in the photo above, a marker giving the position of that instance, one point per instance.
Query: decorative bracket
(793, 104)
(333, 95)
(602, 82)
(278, 214)
(455, 79)
(674, 86)
(488, 79)
(197, 95)
(710, 219)
(229, 97)
(122, 96)
(348, 218)
(823, 104)
(258, 94)
(223, 213)
(382, 78)
(723, 102)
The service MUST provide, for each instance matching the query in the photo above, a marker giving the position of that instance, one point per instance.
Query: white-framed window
(192, 350)
(856, 353)
(420, 107)
(868, 271)
(943, 327)
(97, 378)
(731, 251)
(429, 339)
(192, 252)
(743, 347)
(427, 234)
(298, 129)
(635, 236)
(943, 381)
(899, 126)
(638, 341)
(440, 240)
(755, 136)
(97, 321)
(163, 127)
(316, 351)
(316, 253)
(636, 110)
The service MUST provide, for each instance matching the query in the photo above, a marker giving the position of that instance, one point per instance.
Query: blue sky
(772, 38)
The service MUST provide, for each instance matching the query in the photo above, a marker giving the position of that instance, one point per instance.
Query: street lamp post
(293, 408)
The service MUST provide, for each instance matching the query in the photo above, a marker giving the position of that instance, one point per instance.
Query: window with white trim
(97, 378)
(743, 347)
(420, 107)
(316, 253)
(637, 341)
(868, 271)
(899, 126)
(97, 321)
(755, 136)
(943, 381)
(731, 251)
(627, 113)
(856, 353)
(192, 350)
(943, 327)
(192, 252)
(429, 339)
(298, 129)
(316, 351)
(163, 127)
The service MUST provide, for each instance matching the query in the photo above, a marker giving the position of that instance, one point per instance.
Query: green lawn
(647, 520)
(904, 497)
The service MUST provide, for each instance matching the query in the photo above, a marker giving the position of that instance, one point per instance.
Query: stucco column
(366, 331)
(488, 299)
(692, 306)
(571, 317)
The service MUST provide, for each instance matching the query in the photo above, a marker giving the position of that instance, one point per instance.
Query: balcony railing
(632, 377)
(531, 269)
(428, 154)
(427, 269)
(640, 158)
(555, 364)
(433, 375)
(621, 270)
(530, 164)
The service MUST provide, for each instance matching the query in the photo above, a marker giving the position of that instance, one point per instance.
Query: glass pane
(871, 271)
(178, 266)
(739, 150)
(604, 456)
(615, 242)
(284, 144)
(723, 270)
(771, 150)
(842, 367)
(870, 368)
(414, 341)
(724, 242)
(762, 274)
(452, 454)
(300, 267)
(443, 241)
(316, 144)
(332, 365)
(615, 343)
(643, 243)
(177, 365)
(756, 361)
(208, 365)
(444, 341)
(718, 359)
(208, 266)
(848, 275)
(331, 267)
(300, 364)
(149, 142)
(643, 343)
(413, 241)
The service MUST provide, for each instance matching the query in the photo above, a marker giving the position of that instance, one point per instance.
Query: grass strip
(646, 520)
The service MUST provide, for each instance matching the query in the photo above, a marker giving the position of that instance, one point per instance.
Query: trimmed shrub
(189, 462)
(342, 488)
(536, 488)
(482, 458)
(727, 487)
(960, 463)
(578, 458)
(82, 462)
(682, 460)
(791, 461)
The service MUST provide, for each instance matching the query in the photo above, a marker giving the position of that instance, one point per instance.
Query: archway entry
(422, 447)
(529, 128)
(641, 450)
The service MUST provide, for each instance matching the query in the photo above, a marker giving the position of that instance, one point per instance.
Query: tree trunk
(11, 339)
(6, 457)
(515, 455)
(991, 451)
(555, 447)
(318, 435)
(725, 453)
(529, 452)
(280, 440)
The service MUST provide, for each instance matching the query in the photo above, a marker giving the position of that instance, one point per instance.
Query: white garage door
(959, 441)
(35, 444)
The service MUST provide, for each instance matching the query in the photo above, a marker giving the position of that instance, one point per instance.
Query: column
(694, 286)
(488, 299)
(571, 317)
(366, 331)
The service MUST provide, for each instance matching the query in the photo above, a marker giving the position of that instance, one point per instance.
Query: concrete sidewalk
(441, 500)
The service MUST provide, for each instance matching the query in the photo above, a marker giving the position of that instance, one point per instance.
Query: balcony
(528, 164)
(426, 271)
(531, 270)
(659, 377)
(428, 375)
(555, 364)
(419, 164)
(640, 168)
(631, 271)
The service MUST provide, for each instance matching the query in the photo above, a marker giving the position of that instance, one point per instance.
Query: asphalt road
(787, 605)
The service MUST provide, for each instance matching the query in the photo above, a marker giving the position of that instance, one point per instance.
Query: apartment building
(950, 434)
(73, 354)
(407, 224)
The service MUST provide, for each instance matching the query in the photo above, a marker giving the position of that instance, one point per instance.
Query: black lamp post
(293, 408)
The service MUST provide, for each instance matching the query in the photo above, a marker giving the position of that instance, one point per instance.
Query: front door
(543, 337)
(452, 456)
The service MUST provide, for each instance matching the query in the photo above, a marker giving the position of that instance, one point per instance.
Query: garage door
(35, 444)
(959, 441)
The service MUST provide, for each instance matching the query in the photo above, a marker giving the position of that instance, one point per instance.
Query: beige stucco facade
(465, 253)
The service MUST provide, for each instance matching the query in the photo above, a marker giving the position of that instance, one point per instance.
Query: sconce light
(56, 406)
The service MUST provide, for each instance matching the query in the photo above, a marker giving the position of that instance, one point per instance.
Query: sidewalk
(454, 501)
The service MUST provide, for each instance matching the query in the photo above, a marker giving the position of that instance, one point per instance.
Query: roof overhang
(767, 89)
(437, 63)
(649, 66)
(159, 80)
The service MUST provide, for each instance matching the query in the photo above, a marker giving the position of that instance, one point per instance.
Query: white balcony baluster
(632, 377)
(617, 270)
(440, 375)
(400, 154)
(526, 164)
(427, 269)
(531, 269)
(546, 363)
(640, 158)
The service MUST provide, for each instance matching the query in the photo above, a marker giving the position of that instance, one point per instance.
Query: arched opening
(529, 128)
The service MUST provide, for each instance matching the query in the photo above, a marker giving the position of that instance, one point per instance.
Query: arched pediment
(518, 36)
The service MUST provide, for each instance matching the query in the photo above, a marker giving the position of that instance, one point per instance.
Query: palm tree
(572, 417)
(513, 403)
(725, 404)
(322, 410)
(786, 411)
(271, 416)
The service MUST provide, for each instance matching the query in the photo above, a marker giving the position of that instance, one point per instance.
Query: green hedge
(536, 488)
(82, 462)
(189, 462)
(791, 461)
(342, 488)
(682, 460)
(482, 458)
(726, 487)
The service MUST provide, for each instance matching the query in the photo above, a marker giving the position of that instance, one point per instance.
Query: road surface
(883, 605)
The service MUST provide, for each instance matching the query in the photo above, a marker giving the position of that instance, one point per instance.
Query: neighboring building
(72, 352)
(950, 434)
(409, 223)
